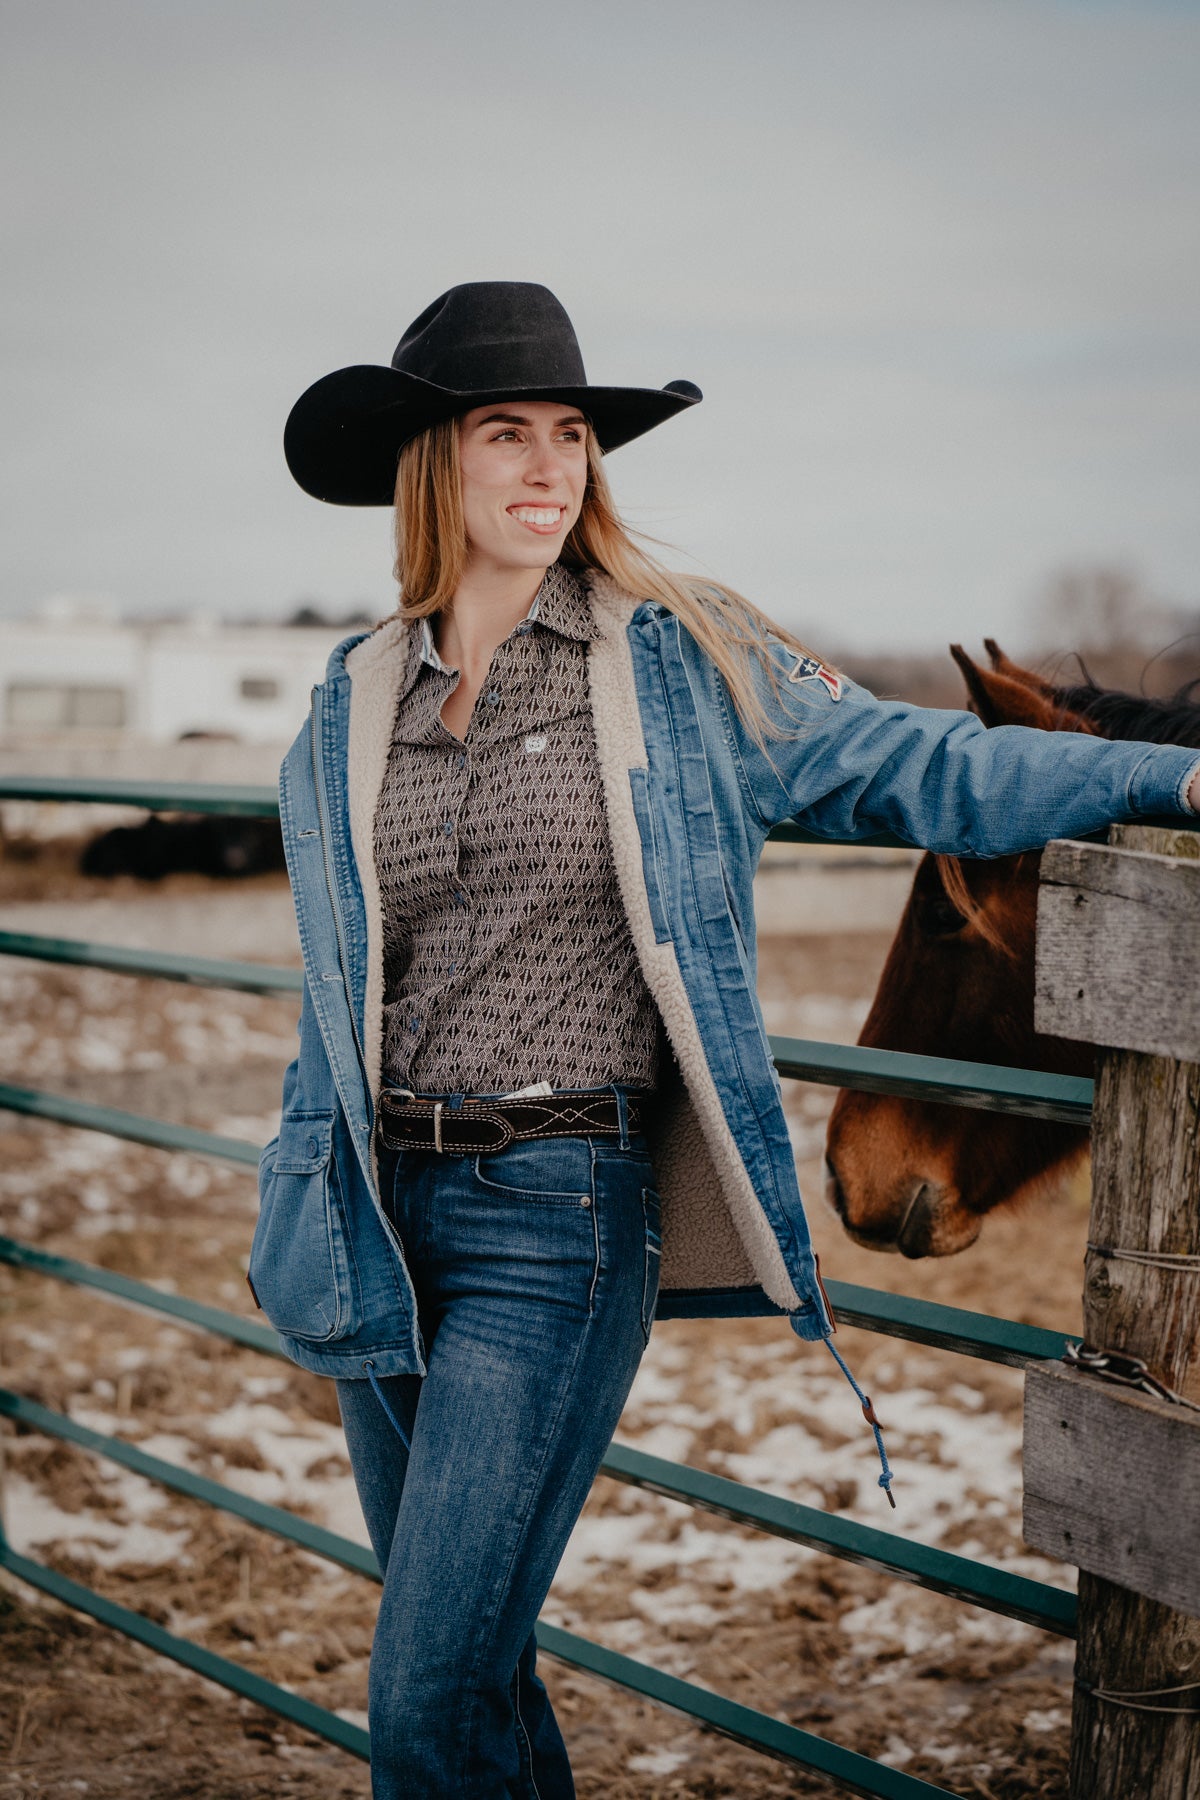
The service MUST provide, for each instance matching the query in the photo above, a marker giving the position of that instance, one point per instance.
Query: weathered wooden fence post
(1112, 1477)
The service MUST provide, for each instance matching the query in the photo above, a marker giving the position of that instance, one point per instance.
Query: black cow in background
(191, 843)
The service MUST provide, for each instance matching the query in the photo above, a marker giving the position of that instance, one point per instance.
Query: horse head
(958, 983)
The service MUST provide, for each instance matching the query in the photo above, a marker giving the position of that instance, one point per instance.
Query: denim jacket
(690, 797)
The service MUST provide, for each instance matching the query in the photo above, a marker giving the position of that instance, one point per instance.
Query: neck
(486, 607)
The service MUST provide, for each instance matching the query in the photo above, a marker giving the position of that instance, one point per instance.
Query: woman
(521, 827)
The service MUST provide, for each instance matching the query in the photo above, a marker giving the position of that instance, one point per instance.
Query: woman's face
(524, 469)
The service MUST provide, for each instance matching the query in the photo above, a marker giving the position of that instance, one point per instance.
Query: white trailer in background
(76, 669)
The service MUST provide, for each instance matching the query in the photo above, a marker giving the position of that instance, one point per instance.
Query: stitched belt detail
(482, 1126)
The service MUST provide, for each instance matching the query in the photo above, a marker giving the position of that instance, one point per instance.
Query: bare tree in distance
(1104, 614)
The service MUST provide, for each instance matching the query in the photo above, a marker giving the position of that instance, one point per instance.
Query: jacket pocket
(302, 1269)
(639, 787)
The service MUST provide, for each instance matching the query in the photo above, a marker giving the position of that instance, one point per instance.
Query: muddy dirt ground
(977, 1704)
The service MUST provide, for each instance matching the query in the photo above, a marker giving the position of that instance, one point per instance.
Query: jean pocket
(652, 1225)
(549, 1171)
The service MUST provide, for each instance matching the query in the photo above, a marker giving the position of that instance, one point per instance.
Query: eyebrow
(502, 418)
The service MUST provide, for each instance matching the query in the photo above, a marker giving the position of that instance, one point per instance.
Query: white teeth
(537, 515)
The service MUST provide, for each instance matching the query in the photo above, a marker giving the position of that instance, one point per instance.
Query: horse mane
(954, 886)
(1116, 714)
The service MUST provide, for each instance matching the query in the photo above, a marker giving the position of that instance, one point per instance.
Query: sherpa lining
(715, 1233)
(376, 669)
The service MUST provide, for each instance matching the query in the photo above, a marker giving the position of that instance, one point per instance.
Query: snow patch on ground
(657, 1762)
(899, 1623)
(31, 1520)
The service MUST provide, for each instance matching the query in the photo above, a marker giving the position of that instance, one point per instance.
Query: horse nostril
(916, 1227)
(834, 1192)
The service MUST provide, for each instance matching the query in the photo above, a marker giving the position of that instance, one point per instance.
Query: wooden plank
(1112, 1484)
(1118, 949)
(1169, 879)
(1141, 1289)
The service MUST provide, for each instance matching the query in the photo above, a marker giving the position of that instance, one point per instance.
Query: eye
(942, 904)
(941, 916)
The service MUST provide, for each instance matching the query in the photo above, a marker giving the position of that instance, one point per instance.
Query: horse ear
(1001, 699)
(1004, 665)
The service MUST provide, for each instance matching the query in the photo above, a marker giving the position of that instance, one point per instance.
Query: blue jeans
(536, 1272)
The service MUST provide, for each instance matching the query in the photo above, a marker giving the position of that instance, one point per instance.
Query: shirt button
(493, 697)
(414, 1024)
(460, 759)
(448, 827)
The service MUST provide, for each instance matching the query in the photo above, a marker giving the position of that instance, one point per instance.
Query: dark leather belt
(405, 1122)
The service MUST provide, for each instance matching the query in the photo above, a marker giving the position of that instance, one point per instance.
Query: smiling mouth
(538, 518)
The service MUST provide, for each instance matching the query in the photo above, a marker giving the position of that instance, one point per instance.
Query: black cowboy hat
(484, 341)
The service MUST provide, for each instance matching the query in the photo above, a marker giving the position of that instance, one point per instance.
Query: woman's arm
(940, 779)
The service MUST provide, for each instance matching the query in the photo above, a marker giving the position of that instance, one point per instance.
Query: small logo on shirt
(535, 743)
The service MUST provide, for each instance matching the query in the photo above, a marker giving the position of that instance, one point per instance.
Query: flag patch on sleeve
(808, 668)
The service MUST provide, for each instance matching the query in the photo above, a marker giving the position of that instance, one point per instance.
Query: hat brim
(345, 433)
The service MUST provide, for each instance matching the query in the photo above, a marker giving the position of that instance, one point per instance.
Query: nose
(915, 1237)
(545, 466)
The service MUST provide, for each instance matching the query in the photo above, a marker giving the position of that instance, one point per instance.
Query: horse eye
(942, 916)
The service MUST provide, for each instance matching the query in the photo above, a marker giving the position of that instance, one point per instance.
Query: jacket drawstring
(885, 1480)
(383, 1401)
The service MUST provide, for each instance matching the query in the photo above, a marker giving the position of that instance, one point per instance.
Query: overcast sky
(934, 263)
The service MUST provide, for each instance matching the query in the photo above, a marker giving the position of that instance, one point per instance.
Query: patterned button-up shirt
(507, 954)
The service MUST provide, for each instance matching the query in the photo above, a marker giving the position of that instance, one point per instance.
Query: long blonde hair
(431, 557)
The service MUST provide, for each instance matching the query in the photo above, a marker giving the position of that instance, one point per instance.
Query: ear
(1004, 665)
(1000, 699)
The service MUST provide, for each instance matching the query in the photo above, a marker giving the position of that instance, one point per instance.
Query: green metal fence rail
(168, 965)
(151, 796)
(989, 1087)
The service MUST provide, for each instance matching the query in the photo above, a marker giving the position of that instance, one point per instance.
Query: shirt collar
(561, 604)
(429, 651)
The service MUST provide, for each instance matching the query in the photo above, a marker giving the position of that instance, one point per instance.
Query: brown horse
(958, 982)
